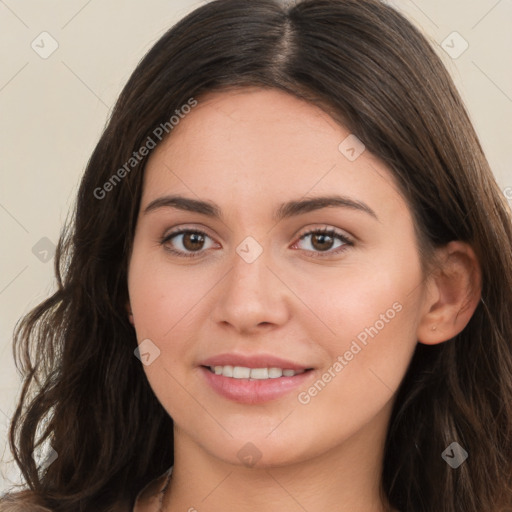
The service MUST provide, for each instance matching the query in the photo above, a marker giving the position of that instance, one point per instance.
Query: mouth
(244, 372)
(247, 385)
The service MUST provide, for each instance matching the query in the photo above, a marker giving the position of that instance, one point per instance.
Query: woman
(287, 284)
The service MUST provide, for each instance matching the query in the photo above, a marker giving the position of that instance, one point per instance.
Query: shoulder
(148, 500)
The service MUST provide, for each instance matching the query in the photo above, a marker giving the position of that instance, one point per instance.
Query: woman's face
(253, 287)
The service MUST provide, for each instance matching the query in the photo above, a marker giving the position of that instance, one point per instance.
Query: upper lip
(253, 361)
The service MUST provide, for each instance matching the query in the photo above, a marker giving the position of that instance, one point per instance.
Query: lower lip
(256, 391)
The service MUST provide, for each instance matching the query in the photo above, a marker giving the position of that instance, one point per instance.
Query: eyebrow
(285, 210)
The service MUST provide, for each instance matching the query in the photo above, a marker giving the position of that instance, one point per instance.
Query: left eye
(322, 241)
(192, 242)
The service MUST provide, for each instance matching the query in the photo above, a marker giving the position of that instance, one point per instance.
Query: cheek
(365, 361)
(351, 299)
(368, 315)
(168, 306)
(162, 295)
(164, 301)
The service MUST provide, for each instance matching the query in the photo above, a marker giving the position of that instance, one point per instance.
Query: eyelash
(324, 231)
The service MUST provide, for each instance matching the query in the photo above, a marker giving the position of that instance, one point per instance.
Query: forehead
(252, 144)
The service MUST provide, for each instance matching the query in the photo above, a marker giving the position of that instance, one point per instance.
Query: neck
(346, 478)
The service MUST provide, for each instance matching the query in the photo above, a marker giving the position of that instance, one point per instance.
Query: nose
(252, 296)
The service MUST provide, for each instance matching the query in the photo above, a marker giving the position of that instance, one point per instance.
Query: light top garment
(148, 499)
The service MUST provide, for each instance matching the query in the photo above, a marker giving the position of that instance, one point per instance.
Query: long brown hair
(86, 394)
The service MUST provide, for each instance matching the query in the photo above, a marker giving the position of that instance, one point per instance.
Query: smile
(243, 372)
(246, 385)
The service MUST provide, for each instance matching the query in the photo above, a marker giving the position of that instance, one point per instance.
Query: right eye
(189, 242)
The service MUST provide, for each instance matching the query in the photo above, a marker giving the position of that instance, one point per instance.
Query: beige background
(53, 110)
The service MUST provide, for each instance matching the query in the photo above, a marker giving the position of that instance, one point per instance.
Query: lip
(247, 391)
(253, 361)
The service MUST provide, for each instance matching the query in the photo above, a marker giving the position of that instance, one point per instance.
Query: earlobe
(130, 314)
(455, 293)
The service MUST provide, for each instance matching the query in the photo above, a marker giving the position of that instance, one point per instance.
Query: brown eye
(186, 242)
(321, 241)
(193, 241)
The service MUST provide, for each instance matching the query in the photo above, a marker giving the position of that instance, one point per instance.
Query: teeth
(274, 373)
(242, 372)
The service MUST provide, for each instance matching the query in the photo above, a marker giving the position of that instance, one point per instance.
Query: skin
(248, 151)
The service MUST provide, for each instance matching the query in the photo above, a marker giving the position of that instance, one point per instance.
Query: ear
(455, 289)
(129, 311)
